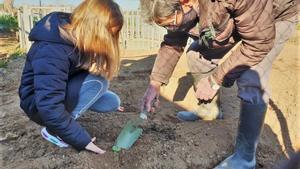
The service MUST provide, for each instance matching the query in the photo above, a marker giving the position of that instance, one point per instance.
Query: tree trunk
(8, 6)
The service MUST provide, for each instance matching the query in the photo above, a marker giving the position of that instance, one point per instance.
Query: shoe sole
(52, 139)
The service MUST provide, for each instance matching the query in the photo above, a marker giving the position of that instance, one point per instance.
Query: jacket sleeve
(168, 55)
(255, 25)
(50, 80)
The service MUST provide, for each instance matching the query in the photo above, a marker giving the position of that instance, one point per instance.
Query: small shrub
(3, 63)
(18, 52)
(9, 23)
(36, 19)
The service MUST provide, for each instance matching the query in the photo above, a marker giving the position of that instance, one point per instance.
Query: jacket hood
(50, 29)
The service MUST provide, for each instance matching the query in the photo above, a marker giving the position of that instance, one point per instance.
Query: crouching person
(261, 26)
(68, 68)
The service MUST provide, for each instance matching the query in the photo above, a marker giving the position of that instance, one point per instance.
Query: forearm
(65, 127)
(165, 63)
(241, 60)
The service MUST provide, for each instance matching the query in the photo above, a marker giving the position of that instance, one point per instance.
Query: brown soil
(8, 42)
(165, 143)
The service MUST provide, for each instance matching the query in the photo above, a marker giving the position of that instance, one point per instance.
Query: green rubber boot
(251, 122)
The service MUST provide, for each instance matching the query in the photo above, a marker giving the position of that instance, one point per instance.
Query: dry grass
(9, 48)
(7, 44)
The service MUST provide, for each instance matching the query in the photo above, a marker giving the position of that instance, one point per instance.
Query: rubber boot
(250, 125)
(206, 111)
(292, 163)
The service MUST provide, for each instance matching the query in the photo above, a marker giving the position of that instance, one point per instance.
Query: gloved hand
(150, 98)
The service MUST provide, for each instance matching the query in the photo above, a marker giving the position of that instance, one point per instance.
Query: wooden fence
(135, 35)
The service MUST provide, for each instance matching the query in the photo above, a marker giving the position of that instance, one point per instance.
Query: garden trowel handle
(143, 115)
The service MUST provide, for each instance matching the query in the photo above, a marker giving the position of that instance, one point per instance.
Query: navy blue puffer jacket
(51, 62)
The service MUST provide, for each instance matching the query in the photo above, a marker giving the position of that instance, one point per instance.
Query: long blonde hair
(95, 26)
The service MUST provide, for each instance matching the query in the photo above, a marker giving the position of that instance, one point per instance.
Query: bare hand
(151, 96)
(204, 90)
(121, 109)
(92, 147)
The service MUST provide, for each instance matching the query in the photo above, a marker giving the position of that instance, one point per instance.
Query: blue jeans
(94, 95)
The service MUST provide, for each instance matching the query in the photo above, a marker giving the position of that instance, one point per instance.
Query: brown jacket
(254, 22)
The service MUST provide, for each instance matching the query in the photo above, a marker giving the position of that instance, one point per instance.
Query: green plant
(16, 53)
(3, 63)
(9, 23)
(1, 6)
(36, 19)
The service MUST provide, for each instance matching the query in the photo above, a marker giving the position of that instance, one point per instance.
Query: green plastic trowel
(130, 133)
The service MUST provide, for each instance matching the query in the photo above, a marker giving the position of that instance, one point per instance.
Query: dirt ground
(8, 43)
(166, 143)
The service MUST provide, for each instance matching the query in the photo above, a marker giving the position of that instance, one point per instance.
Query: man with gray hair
(262, 27)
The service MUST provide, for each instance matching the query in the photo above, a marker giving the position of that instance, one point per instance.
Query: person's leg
(292, 163)
(92, 89)
(109, 102)
(254, 93)
(201, 62)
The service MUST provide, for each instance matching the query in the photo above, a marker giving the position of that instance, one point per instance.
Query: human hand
(205, 90)
(121, 109)
(151, 96)
(92, 147)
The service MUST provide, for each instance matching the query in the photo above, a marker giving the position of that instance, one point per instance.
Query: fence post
(27, 28)
(21, 29)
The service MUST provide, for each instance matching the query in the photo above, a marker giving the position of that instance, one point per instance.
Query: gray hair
(156, 9)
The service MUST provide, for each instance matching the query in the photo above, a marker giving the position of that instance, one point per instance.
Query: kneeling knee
(115, 102)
